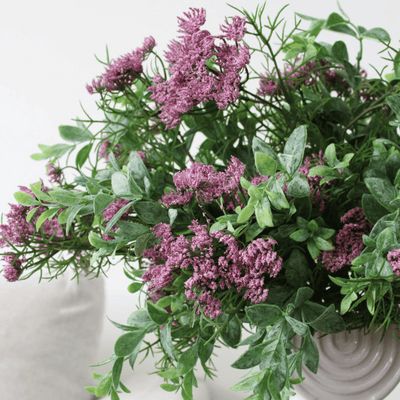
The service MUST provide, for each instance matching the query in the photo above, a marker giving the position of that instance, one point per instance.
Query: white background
(47, 57)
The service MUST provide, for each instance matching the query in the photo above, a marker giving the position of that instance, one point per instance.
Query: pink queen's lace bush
(393, 258)
(204, 183)
(17, 230)
(121, 73)
(191, 81)
(12, 270)
(349, 242)
(216, 263)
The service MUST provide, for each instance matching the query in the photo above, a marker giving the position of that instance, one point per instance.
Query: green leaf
(259, 145)
(310, 353)
(325, 233)
(296, 268)
(56, 151)
(141, 244)
(131, 230)
(126, 328)
(312, 226)
(114, 394)
(31, 213)
(48, 214)
(361, 259)
(232, 332)
(378, 34)
(151, 213)
(83, 155)
(166, 340)
(335, 19)
(95, 240)
(188, 360)
(157, 314)
(133, 356)
(330, 153)
(338, 110)
(329, 322)
(63, 216)
(127, 342)
(135, 287)
(141, 319)
(295, 146)
(25, 199)
(274, 357)
(104, 386)
(383, 191)
(263, 315)
(276, 195)
(245, 183)
(74, 134)
(303, 294)
(101, 202)
(246, 213)
(73, 212)
(394, 104)
(263, 213)
(117, 216)
(312, 248)
(321, 170)
(300, 236)
(372, 209)
(116, 370)
(249, 358)
(66, 197)
(385, 239)
(265, 164)
(354, 77)
(323, 244)
(41, 157)
(299, 327)
(306, 17)
(169, 388)
(112, 358)
(343, 28)
(249, 383)
(113, 161)
(298, 187)
(39, 194)
(120, 184)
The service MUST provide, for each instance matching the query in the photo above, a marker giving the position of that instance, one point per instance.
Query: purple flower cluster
(192, 81)
(216, 262)
(111, 210)
(292, 77)
(205, 183)
(18, 230)
(12, 270)
(393, 258)
(307, 75)
(349, 242)
(55, 174)
(121, 73)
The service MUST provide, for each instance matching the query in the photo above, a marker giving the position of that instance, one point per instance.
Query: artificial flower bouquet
(284, 221)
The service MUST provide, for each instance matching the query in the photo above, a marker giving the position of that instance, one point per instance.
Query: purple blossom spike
(394, 259)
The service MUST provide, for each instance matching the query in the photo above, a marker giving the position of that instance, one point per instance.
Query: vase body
(353, 366)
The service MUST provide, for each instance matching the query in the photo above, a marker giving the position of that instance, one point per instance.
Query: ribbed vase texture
(353, 366)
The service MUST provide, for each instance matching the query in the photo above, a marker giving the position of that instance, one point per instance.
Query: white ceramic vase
(353, 366)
